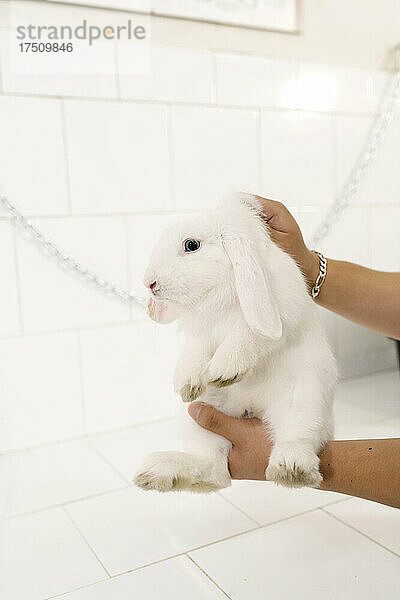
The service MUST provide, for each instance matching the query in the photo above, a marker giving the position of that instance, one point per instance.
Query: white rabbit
(254, 345)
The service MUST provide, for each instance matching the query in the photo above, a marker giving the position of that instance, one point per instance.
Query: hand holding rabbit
(286, 233)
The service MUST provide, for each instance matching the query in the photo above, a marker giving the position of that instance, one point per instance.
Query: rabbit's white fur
(254, 345)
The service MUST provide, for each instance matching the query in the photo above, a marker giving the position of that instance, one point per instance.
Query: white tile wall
(9, 313)
(252, 80)
(51, 297)
(125, 450)
(359, 414)
(297, 157)
(143, 233)
(118, 157)
(104, 175)
(87, 71)
(350, 239)
(170, 77)
(382, 183)
(40, 391)
(385, 239)
(362, 350)
(214, 150)
(127, 374)
(333, 88)
(31, 154)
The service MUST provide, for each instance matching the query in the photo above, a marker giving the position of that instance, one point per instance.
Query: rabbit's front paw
(190, 392)
(294, 464)
(189, 388)
(187, 381)
(223, 370)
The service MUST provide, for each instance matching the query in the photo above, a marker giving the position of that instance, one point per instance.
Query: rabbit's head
(219, 258)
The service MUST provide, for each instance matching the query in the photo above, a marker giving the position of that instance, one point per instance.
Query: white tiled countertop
(73, 524)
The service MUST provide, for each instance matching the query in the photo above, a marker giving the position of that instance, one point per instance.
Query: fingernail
(195, 409)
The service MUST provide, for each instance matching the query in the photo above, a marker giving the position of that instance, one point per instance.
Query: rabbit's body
(254, 347)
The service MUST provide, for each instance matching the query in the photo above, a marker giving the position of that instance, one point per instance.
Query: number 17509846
(46, 47)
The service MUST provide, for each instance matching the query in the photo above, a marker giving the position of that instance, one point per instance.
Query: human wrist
(326, 466)
(310, 267)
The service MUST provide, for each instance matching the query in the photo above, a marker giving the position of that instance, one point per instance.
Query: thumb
(212, 419)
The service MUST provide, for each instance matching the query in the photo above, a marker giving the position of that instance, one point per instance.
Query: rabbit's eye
(191, 245)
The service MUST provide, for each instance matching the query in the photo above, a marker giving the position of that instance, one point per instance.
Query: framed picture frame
(273, 15)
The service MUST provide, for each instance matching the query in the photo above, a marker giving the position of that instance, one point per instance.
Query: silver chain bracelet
(323, 266)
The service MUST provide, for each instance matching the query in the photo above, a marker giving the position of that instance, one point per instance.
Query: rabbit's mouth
(161, 311)
(158, 295)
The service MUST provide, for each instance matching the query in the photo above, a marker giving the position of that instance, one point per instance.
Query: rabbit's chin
(162, 311)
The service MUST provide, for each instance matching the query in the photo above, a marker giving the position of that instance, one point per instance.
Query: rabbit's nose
(154, 287)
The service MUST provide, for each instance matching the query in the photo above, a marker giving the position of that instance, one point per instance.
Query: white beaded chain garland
(65, 260)
(367, 156)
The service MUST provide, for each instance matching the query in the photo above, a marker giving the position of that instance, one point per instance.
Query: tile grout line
(98, 11)
(128, 572)
(109, 463)
(215, 79)
(186, 211)
(186, 553)
(17, 283)
(218, 541)
(259, 148)
(239, 509)
(128, 485)
(124, 573)
(85, 540)
(336, 191)
(208, 576)
(254, 529)
(335, 162)
(87, 436)
(128, 263)
(260, 524)
(116, 69)
(66, 155)
(1, 77)
(369, 218)
(30, 334)
(133, 426)
(63, 504)
(198, 104)
(81, 382)
(81, 587)
(360, 532)
(171, 161)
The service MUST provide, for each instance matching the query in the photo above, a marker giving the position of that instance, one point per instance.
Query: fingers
(276, 214)
(209, 418)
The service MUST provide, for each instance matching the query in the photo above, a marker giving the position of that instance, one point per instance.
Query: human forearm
(365, 468)
(370, 298)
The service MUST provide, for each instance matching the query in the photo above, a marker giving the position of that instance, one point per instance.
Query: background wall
(103, 159)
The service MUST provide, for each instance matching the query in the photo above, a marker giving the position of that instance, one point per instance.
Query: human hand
(251, 445)
(286, 233)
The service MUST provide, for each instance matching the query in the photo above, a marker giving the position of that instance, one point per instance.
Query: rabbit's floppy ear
(252, 286)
